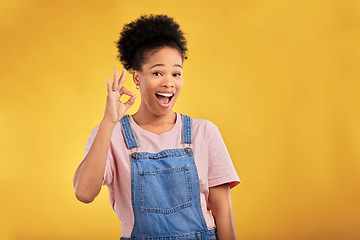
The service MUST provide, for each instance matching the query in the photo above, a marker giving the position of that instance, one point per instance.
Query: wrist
(107, 124)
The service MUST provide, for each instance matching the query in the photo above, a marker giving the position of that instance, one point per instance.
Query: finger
(123, 90)
(130, 102)
(121, 79)
(108, 85)
(115, 82)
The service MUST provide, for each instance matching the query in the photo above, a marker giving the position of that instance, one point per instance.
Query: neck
(145, 117)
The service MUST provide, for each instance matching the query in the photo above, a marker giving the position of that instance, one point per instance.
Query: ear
(136, 77)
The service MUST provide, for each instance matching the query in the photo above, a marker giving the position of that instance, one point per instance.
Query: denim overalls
(165, 190)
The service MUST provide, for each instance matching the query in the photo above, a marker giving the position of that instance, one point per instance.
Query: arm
(89, 175)
(220, 204)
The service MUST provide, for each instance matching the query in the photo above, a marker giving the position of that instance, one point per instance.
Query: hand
(115, 109)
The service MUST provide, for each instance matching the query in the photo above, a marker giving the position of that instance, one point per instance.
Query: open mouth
(164, 98)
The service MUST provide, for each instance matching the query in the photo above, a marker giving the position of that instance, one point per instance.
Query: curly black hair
(148, 33)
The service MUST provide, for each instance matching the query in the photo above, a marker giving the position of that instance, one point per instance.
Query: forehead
(166, 56)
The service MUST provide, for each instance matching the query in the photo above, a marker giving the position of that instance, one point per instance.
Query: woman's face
(160, 81)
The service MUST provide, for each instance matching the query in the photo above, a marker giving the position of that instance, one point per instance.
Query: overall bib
(165, 191)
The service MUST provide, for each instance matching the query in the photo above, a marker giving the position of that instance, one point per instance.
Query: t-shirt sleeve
(221, 169)
(108, 174)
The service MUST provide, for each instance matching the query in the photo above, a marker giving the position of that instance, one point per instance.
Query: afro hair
(145, 34)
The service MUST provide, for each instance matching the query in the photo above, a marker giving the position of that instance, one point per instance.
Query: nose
(168, 82)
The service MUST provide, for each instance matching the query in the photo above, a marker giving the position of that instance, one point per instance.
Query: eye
(157, 74)
(176, 74)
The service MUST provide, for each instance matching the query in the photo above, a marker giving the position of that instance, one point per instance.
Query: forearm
(225, 226)
(220, 204)
(89, 175)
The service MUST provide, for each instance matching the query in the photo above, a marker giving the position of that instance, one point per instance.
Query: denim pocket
(165, 190)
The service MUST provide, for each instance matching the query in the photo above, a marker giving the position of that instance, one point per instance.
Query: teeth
(165, 94)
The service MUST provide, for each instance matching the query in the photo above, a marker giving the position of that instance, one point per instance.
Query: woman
(164, 170)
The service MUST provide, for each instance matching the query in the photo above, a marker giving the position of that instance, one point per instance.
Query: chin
(161, 112)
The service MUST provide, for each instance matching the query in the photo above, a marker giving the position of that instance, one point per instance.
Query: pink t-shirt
(211, 158)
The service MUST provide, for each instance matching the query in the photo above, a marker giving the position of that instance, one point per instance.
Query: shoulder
(203, 123)
(95, 130)
(204, 126)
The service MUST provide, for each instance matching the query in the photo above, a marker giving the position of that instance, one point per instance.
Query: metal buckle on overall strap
(187, 147)
(134, 151)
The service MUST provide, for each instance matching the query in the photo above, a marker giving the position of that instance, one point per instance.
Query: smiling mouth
(164, 98)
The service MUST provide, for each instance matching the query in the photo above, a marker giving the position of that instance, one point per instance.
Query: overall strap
(128, 132)
(186, 129)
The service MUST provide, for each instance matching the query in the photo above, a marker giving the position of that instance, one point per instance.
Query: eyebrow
(163, 65)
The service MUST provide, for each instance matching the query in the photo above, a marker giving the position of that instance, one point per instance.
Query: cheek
(145, 92)
(147, 88)
(179, 84)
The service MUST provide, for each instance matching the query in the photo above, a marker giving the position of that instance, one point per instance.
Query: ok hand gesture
(115, 109)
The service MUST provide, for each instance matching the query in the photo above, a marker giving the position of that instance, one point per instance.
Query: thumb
(120, 109)
(130, 102)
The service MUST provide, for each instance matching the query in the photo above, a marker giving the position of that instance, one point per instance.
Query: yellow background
(279, 78)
